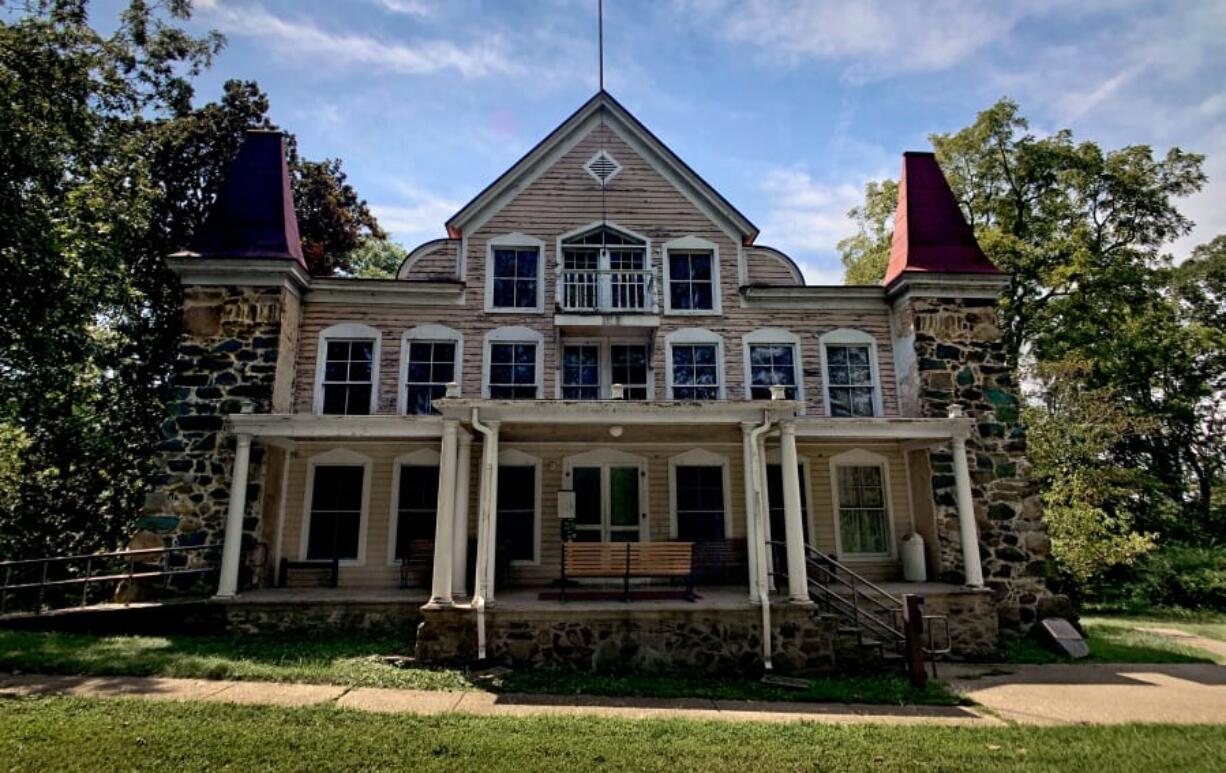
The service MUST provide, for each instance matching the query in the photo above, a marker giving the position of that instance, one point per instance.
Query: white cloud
(304, 40)
(807, 218)
(872, 37)
(408, 7)
(416, 218)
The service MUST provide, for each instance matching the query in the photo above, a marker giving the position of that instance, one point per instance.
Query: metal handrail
(132, 558)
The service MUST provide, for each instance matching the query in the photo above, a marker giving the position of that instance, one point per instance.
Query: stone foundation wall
(320, 617)
(227, 364)
(960, 359)
(974, 630)
(717, 641)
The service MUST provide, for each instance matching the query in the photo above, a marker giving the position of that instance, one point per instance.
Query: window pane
(623, 496)
(358, 403)
(336, 507)
(700, 502)
(417, 508)
(586, 483)
(679, 266)
(863, 520)
(679, 295)
(517, 511)
(334, 400)
(700, 267)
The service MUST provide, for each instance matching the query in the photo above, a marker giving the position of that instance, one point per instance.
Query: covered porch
(728, 478)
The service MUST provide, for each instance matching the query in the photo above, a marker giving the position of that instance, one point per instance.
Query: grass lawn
(1117, 640)
(1209, 625)
(112, 734)
(348, 659)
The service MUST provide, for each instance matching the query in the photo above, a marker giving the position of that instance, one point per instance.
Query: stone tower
(242, 280)
(943, 292)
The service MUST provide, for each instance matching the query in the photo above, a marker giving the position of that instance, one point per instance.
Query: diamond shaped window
(602, 167)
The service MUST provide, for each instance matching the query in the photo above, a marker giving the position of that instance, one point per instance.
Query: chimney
(930, 233)
(253, 216)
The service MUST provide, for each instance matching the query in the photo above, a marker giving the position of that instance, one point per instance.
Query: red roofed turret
(930, 233)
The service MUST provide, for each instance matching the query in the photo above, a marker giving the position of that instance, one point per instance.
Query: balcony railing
(610, 291)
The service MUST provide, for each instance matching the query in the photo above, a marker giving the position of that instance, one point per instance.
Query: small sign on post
(566, 504)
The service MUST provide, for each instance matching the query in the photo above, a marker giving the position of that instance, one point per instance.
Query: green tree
(375, 259)
(867, 252)
(105, 168)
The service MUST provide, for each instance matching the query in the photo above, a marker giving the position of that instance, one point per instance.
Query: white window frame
(605, 458)
(689, 336)
(514, 240)
(602, 259)
(427, 334)
(691, 244)
(422, 457)
(850, 337)
(337, 457)
(859, 457)
(512, 335)
(344, 331)
(516, 458)
(773, 336)
(606, 363)
(698, 457)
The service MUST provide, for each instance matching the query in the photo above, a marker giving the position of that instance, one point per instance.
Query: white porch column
(798, 582)
(966, 516)
(440, 594)
(489, 503)
(232, 551)
(459, 539)
(751, 527)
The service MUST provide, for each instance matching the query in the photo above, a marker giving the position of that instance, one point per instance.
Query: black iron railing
(55, 582)
(895, 622)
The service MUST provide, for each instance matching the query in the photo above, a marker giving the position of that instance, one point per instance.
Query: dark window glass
(418, 506)
(431, 366)
(581, 372)
(517, 511)
(515, 278)
(700, 502)
(336, 512)
(348, 374)
(850, 380)
(863, 522)
(513, 371)
(771, 365)
(629, 368)
(774, 498)
(690, 281)
(695, 372)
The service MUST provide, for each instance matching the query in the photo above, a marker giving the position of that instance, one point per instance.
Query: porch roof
(597, 413)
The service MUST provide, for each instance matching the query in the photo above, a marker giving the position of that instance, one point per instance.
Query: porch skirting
(611, 638)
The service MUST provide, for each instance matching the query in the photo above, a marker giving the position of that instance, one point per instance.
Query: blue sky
(786, 107)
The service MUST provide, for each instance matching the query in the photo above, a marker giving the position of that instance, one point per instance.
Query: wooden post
(913, 628)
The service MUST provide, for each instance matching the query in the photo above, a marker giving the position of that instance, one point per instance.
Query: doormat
(616, 595)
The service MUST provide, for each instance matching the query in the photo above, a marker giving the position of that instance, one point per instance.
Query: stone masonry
(227, 364)
(960, 359)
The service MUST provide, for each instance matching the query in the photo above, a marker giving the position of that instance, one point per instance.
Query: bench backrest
(605, 559)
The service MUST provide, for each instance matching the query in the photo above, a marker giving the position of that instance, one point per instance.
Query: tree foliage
(106, 168)
(867, 252)
(1097, 304)
(375, 259)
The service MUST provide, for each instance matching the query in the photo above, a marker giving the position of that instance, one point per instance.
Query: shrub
(1187, 576)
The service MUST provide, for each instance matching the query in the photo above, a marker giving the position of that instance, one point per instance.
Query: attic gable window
(602, 167)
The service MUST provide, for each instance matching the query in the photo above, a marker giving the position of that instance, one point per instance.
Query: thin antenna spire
(600, 37)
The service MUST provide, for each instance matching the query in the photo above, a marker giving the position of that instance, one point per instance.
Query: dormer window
(605, 269)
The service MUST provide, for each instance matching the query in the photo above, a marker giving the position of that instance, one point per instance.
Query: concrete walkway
(1036, 695)
(1212, 646)
(1097, 694)
(483, 703)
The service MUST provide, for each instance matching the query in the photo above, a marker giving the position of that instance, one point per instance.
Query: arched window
(431, 356)
(849, 374)
(604, 268)
(347, 370)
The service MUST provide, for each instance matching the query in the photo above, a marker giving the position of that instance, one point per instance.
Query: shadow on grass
(362, 661)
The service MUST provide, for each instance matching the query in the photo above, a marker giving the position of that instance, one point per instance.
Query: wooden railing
(607, 290)
(39, 584)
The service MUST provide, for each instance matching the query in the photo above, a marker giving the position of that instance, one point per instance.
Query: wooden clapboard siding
(764, 266)
(562, 199)
(436, 260)
(376, 571)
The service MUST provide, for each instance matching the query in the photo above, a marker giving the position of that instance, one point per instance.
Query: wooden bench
(628, 560)
(308, 574)
(417, 567)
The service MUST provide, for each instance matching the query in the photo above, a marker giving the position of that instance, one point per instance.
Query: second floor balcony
(607, 291)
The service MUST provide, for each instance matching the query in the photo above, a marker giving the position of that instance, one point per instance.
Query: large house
(598, 362)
